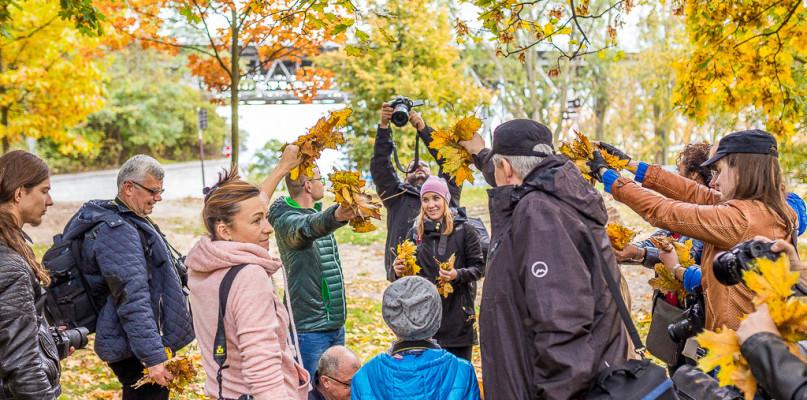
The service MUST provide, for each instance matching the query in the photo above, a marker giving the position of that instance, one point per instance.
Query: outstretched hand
(289, 160)
(386, 115)
(474, 145)
(611, 149)
(756, 322)
(596, 165)
(344, 214)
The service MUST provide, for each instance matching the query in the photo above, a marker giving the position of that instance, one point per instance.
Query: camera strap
(220, 340)
(415, 162)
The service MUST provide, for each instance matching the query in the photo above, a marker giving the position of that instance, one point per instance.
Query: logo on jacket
(540, 269)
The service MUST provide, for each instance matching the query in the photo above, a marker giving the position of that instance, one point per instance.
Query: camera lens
(77, 337)
(726, 268)
(400, 115)
(681, 330)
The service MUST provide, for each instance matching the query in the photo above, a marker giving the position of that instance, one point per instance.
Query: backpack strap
(220, 341)
(442, 244)
(614, 289)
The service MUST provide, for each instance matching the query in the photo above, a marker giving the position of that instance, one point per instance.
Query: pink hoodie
(260, 357)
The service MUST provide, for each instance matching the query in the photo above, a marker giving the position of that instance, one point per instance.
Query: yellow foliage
(407, 251)
(619, 235)
(666, 282)
(181, 367)
(444, 287)
(348, 188)
(582, 151)
(772, 282)
(324, 135)
(456, 160)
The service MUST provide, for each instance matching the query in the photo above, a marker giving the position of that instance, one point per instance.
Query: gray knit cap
(412, 308)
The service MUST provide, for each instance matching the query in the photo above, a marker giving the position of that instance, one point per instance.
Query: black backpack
(69, 301)
(484, 237)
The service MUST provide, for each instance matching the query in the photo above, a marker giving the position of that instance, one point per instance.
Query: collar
(125, 208)
(293, 204)
(25, 235)
(406, 347)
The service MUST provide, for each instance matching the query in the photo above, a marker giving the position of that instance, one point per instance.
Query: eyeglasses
(321, 179)
(337, 380)
(153, 192)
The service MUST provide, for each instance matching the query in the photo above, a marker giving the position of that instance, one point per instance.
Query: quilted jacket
(142, 304)
(435, 374)
(308, 250)
(29, 364)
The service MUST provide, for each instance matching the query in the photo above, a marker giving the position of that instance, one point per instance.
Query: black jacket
(29, 363)
(459, 314)
(401, 198)
(547, 322)
(780, 373)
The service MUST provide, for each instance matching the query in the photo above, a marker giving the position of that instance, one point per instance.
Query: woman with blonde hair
(441, 233)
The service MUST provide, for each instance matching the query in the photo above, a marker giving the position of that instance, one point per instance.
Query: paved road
(182, 180)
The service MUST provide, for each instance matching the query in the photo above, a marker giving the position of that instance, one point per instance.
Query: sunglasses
(153, 192)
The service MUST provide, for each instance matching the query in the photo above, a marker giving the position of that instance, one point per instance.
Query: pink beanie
(436, 185)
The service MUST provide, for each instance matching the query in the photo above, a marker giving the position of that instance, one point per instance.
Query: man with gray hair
(334, 374)
(547, 322)
(135, 280)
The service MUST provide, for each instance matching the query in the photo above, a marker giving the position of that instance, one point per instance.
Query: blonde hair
(448, 217)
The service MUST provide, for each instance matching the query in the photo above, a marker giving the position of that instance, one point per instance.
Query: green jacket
(308, 250)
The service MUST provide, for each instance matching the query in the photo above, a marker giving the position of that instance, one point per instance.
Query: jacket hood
(93, 212)
(210, 255)
(559, 177)
(460, 217)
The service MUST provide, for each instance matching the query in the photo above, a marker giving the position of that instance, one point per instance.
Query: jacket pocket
(49, 356)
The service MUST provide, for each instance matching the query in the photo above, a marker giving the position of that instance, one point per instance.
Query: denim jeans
(313, 344)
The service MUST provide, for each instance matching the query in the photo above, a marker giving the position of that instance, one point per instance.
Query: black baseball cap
(519, 137)
(752, 141)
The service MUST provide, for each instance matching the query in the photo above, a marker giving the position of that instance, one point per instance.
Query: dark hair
(20, 169)
(692, 156)
(221, 202)
(761, 179)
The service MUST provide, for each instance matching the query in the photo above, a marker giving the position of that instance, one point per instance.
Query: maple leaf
(619, 235)
(771, 279)
(582, 151)
(444, 287)
(666, 282)
(324, 135)
(456, 160)
(682, 250)
(407, 251)
(723, 351)
(181, 367)
(347, 187)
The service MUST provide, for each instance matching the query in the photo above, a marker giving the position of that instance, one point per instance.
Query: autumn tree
(219, 32)
(49, 77)
(82, 13)
(413, 56)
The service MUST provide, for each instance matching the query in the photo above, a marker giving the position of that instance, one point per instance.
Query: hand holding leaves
(619, 235)
(348, 189)
(444, 286)
(324, 135)
(456, 160)
(406, 252)
(581, 152)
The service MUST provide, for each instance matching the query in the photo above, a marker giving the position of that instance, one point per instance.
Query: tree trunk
(4, 121)
(235, 75)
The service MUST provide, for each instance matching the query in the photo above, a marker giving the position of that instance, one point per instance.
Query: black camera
(400, 110)
(67, 338)
(691, 325)
(729, 265)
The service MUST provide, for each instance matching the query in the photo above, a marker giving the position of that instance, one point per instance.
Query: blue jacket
(435, 374)
(142, 305)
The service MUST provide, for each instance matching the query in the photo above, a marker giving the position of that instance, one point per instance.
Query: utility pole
(201, 115)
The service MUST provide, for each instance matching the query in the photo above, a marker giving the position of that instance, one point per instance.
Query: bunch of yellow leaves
(407, 251)
(324, 135)
(444, 287)
(665, 281)
(181, 367)
(348, 188)
(772, 281)
(619, 235)
(456, 160)
(582, 151)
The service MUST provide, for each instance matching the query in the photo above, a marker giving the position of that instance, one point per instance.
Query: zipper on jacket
(160, 315)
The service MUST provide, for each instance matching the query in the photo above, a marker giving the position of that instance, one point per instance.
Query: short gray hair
(523, 165)
(137, 168)
(335, 356)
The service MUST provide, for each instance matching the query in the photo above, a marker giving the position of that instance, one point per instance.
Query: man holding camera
(135, 280)
(402, 198)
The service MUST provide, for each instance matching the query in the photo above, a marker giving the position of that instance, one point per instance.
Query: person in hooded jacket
(547, 323)
(261, 360)
(415, 367)
(440, 234)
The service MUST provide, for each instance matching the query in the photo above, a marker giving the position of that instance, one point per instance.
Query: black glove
(610, 149)
(597, 162)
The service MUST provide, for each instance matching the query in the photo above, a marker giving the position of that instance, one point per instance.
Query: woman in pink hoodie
(261, 360)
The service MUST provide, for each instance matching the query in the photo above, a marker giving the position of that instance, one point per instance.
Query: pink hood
(209, 255)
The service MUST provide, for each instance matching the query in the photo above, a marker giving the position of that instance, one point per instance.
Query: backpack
(484, 237)
(69, 301)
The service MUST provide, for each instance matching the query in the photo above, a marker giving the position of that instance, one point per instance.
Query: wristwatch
(640, 255)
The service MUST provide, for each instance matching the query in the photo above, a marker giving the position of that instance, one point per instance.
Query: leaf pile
(444, 287)
(181, 367)
(348, 188)
(324, 135)
(665, 281)
(407, 251)
(772, 281)
(619, 236)
(456, 160)
(582, 151)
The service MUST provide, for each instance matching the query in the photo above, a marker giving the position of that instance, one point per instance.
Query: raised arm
(288, 161)
(480, 154)
(300, 230)
(385, 178)
(674, 186)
